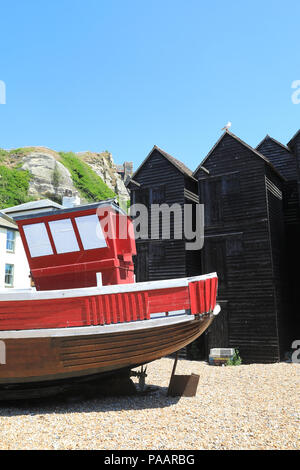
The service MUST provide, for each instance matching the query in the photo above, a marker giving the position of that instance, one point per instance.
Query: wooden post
(173, 371)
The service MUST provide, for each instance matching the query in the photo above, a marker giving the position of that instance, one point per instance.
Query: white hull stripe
(31, 294)
(96, 330)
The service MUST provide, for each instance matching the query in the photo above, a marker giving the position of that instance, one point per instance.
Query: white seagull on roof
(227, 127)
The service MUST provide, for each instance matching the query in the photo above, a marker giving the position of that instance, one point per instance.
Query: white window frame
(9, 274)
(12, 241)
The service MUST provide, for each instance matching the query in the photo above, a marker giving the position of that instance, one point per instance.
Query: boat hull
(71, 353)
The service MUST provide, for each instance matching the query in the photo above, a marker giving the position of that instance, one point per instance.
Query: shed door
(214, 257)
(217, 335)
(141, 262)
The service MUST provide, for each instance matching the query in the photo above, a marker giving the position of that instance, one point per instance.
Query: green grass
(236, 360)
(14, 186)
(3, 155)
(14, 182)
(21, 151)
(88, 183)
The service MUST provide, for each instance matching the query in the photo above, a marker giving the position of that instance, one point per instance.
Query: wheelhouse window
(9, 275)
(90, 232)
(37, 240)
(63, 236)
(10, 240)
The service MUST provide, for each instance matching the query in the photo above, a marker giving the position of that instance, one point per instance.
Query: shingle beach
(239, 407)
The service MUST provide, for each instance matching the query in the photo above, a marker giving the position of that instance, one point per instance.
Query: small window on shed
(215, 260)
(158, 194)
(141, 196)
(37, 240)
(231, 185)
(90, 231)
(211, 197)
(234, 245)
(157, 251)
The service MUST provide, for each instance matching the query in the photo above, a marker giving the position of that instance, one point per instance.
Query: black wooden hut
(294, 146)
(245, 243)
(162, 179)
(285, 160)
(252, 227)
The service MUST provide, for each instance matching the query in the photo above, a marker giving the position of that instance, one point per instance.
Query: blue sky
(124, 75)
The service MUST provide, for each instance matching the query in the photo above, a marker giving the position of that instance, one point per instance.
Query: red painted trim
(51, 239)
(91, 266)
(77, 235)
(103, 309)
(48, 271)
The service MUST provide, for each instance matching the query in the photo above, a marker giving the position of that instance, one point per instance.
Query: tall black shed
(162, 179)
(245, 243)
(283, 158)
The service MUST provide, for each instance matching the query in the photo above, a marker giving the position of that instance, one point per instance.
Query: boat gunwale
(118, 328)
(16, 295)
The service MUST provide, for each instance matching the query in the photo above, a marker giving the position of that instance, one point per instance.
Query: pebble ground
(239, 407)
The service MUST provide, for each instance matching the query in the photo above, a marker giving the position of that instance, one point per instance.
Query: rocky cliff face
(51, 179)
(104, 166)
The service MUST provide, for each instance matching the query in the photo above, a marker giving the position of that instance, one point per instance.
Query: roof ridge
(174, 161)
(275, 141)
(293, 138)
(242, 142)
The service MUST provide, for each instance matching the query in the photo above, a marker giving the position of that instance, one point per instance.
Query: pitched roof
(7, 222)
(132, 182)
(256, 152)
(202, 168)
(177, 163)
(280, 156)
(33, 205)
(181, 166)
(268, 137)
(293, 138)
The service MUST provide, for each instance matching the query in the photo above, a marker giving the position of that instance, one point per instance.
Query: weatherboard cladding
(163, 179)
(294, 236)
(176, 163)
(286, 161)
(294, 140)
(250, 207)
(280, 261)
(295, 147)
(238, 243)
(280, 156)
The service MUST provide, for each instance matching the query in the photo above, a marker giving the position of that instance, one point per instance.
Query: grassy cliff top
(14, 181)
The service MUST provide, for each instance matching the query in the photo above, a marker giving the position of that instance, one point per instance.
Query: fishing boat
(86, 316)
